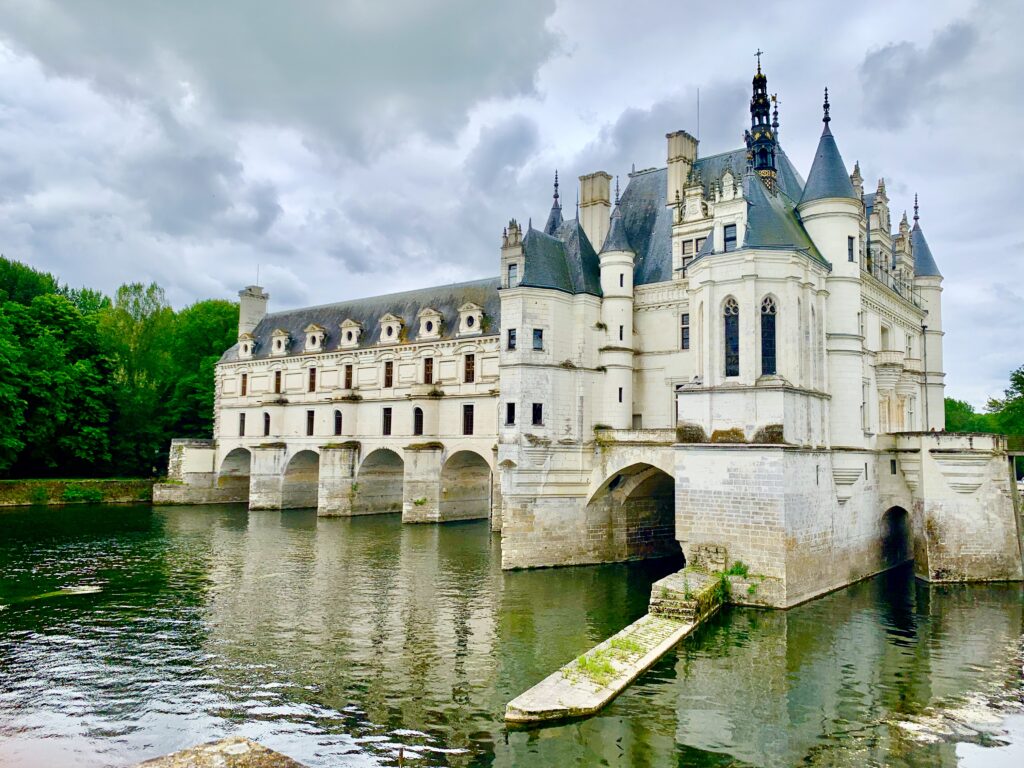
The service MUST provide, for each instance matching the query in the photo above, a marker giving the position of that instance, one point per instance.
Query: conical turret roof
(616, 239)
(924, 262)
(828, 177)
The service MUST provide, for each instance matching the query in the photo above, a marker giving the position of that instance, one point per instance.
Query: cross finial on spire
(916, 217)
(616, 190)
(775, 112)
(826, 119)
(758, 54)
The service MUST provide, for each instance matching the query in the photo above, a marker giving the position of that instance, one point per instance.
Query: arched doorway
(378, 487)
(638, 503)
(895, 538)
(234, 473)
(300, 482)
(465, 487)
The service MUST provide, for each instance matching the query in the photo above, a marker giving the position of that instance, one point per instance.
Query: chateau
(725, 358)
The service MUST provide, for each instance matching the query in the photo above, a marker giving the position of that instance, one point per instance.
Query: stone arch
(895, 538)
(465, 486)
(234, 472)
(301, 480)
(378, 486)
(637, 505)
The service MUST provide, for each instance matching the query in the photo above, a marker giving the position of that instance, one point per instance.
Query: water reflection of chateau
(727, 358)
(407, 624)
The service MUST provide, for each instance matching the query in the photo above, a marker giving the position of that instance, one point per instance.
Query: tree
(201, 334)
(12, 407)
(21, 284)
(1009, 410)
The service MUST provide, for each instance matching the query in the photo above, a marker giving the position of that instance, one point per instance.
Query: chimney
(252, 307)
(595, 206)
(682, 153)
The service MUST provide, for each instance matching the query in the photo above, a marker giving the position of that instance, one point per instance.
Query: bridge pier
(338, 467)
(421, 486)
(266, 476)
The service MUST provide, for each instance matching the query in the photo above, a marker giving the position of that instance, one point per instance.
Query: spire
(924, 262)
(828, 177)
(616, 191)
(616, 239)
(761, 139)
(555, 217)
(775, 115)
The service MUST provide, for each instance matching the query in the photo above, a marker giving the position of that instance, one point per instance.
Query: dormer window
(390, 329)
(280, 340)
(246, 345)
(350, 334)
(470, 319)
(315, 335)
(430, 324)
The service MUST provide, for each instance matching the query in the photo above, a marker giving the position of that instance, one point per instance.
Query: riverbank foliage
(92, 385)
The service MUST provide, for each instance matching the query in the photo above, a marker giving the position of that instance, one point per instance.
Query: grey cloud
(502, 151)
(364, 73)
(900, 78)
(638, 135)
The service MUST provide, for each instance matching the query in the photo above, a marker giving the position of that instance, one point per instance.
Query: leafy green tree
(21, 284)
(12, 407)
(1009, 410)
(201, 334)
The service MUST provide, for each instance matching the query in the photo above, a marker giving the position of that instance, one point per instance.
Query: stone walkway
(679, 603)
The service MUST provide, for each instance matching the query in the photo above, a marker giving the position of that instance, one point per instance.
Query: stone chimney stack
(595, 206)
(682, 153)
(252, 307)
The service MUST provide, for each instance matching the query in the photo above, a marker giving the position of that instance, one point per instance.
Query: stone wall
(165, 494)
(14, 493)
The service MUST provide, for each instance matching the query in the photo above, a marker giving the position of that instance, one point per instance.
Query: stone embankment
(23, 493)
(679, 603)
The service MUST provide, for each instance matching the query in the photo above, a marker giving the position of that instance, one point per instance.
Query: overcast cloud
(352, 148)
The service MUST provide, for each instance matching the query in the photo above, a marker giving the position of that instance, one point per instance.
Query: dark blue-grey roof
(554, 221)
(564, 260)
(647, 225)
(616, 239)
(924, 262)
(828, 177)
(772, 221)
(711, 168)
(446, 299)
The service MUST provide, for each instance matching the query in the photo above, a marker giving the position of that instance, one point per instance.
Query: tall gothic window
(768, 366)
(731, 313)
(337, 422)
(266, 424)
(417, 421)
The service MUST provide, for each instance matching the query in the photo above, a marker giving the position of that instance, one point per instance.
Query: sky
(338, 149)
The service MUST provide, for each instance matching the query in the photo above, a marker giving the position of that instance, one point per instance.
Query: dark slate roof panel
(924, 262)
(582, 261)
(616, 239)
(554, 221)
(647, 223)
(828, 176)
(545, 263)
(446, 299)
(772, 221)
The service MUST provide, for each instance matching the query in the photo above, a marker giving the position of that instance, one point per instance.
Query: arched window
(266, 424)
(337, 422)
(731, 313)
(768, 366)
(417, 421)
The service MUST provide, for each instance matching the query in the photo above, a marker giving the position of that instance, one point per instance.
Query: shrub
(76, 493)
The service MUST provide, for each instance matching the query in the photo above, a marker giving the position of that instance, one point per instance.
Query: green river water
(129, 632)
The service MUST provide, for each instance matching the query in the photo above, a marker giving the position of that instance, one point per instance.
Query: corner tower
(929, 281)
(831, 213)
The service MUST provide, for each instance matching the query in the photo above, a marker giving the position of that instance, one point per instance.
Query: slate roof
(562, 259)
(565, 260)
(828, 176)
(772, 221)
(446, 299)
(924, 262)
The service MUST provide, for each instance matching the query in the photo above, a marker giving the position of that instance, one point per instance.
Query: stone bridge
(427, 482)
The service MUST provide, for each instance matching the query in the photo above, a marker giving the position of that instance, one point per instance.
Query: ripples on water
(340, 642)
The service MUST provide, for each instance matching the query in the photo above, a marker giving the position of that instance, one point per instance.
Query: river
(130, 632)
